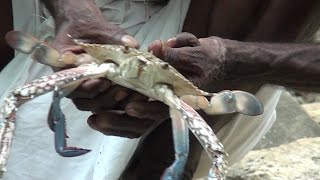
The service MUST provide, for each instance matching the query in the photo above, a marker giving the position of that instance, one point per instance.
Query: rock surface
(292, 123)
(313, 109)
(296, 160)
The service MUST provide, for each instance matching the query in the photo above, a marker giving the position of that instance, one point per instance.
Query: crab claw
(41, 51)
(247, 103)
(226, 102)
(21, 41)
(236, 101)
(71, 151)
(56, 120)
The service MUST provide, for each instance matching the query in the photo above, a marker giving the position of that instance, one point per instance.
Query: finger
(138, 97)
(108, 33)
(117, 124)
(154, 110)
(130, 41)
(115, 35)
(134, 96)
(91, 88)
(183, 40)
(184, 57)
(111, 98)
(104, 101)
(84, 104)
(185, 60)
(175, 56)
(156, 48)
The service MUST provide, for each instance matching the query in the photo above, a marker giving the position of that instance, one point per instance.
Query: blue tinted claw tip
(71, 151)
(56, 121)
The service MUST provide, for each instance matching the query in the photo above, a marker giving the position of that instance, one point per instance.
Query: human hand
(202, 61)
(83, 20)
(118, 111)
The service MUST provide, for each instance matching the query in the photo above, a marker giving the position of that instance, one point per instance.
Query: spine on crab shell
(7, 126)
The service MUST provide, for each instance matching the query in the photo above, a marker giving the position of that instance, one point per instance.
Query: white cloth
(32, 154)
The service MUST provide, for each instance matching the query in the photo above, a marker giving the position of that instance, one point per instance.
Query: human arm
(295, 65)
(219, 63)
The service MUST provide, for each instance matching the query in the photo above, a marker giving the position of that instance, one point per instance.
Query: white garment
(32, 154)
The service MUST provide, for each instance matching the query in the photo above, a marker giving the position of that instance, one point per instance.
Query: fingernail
(172, 42)
(120, 95)
(129, 41)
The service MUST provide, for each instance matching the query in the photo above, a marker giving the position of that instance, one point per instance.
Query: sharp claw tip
(74, 153)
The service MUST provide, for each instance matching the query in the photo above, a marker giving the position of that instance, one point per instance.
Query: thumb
(114, 36)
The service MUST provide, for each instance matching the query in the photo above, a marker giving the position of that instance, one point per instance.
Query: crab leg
(183, 116)
(17, 98)
(226, 102)
(7, 117)
(181, 146)
(40, 51)
(207, 138)
(60, 81)
(43, 52)
(57, 120)
(180, 133)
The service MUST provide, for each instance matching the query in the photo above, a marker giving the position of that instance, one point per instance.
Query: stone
(292, 123)
(297, 160)
(313, 110)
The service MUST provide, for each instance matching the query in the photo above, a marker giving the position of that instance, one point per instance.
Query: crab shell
(162, 72)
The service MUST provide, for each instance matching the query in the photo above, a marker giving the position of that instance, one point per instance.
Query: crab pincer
(57, 123)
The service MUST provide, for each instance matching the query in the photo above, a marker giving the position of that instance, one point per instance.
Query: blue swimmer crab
(137, 70)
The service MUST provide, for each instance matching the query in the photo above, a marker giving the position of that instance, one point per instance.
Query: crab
(137, 70)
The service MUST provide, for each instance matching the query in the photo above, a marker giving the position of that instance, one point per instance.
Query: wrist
(218, 50)
(245, 60)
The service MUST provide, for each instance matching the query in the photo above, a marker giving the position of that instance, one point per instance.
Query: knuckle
(187, 39)
(186, 35)
(170, 56)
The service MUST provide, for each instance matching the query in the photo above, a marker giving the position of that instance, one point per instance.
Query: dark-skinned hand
(202, 61)
(116, 110)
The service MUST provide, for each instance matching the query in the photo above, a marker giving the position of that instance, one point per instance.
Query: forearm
(292, 65)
